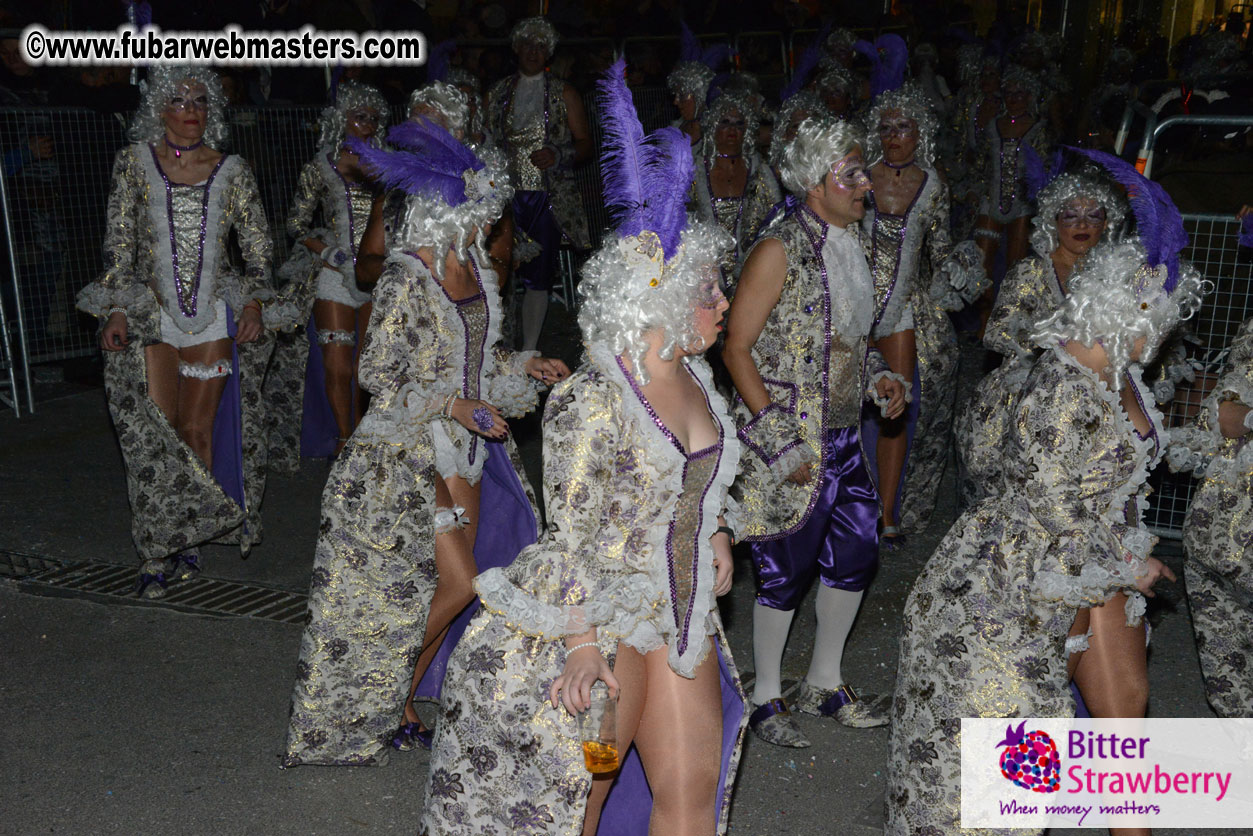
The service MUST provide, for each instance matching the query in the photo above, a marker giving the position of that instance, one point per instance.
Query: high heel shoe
(186, 566)
(411, 736)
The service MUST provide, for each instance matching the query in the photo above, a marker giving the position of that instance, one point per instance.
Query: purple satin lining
(839, 543)
(630, 802)
(870, 418)
(533, 214)
(507, 526)
(228, 428)
(319, 433)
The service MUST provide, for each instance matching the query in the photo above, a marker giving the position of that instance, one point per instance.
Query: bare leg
(454, 561)
(1112, 674)
(678, 733)
(358, 399)
(988, 245)
(900, 350)
(198, 399)
(338, 363)
(161, 361)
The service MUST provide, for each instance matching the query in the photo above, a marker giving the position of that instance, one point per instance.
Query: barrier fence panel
(1214, 249)
(56, 168)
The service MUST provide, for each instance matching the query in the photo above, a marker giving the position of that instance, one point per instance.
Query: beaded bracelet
(570, 650)
(447, 410)
(116, 309)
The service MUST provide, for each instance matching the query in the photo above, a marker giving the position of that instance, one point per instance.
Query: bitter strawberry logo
(1030, 759)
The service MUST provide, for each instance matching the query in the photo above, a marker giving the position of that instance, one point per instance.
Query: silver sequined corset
(522, 142)
(1010, 149)
(360, 201)
(727, 211)
(473, 313)
(886, 241)
(683, 541)
(188, 215)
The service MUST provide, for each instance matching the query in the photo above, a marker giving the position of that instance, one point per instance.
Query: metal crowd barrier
(1214, 250)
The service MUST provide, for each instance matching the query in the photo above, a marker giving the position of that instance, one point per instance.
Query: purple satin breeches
(533, 214)
(840, 541)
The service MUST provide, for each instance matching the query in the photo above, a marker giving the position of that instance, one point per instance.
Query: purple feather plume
(439, 60)
(645, 179)
(689, 45)
(409, 172)
(1246, 231)
(805, 65)
(1158, 222)
(139, 14)
(715, 55)
(888, 56)
(444, 151)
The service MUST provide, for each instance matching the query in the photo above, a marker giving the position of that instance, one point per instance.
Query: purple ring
(483, 418)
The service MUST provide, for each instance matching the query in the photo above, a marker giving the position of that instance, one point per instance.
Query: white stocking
(837, 609)
(770, 629)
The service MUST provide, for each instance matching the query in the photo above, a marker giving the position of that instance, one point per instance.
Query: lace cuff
(513, 395)
(786, 465)
(407, 419)
(619, 609)
(771, 433)
(875, 362)
(1091, 587)
(98, 299)
(962, 277)
(513, 362)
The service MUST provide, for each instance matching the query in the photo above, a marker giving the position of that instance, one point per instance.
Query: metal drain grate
(108, 581)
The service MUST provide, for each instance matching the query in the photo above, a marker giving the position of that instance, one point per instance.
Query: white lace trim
(964, 278)
(514, 395)
(1077, 644)
(206, 371)
(450, 519)
(1093, 586)
(850, 285)
(337, 338)
(1134, 610)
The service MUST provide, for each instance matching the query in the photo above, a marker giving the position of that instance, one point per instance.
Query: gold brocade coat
(558, 181)
(986, 622)
(374, 568)
(617, 490)
(816, 378)
(176, 503)
(1218, 539)
(1029, 292)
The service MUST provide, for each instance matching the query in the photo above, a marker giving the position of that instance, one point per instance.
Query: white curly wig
(1016, 74)
(1115, 297)
(350, 96)
(1065, 188)
(162, 83)
(535, 29)
(820, 142)
(912, 103)
(429, 221)
(690, 78)
(722, 106)
(804, 102)
(624, 297)
(448, 101)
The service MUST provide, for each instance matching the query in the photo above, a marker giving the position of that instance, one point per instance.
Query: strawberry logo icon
(1030, 759)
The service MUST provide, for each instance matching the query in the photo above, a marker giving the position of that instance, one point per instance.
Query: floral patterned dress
(1218, 539)
(627, 550)
(742, 216)
(987, 619)
(374, 568)
(155, 228)
(1029, 292)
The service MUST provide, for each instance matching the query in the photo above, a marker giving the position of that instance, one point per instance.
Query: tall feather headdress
(888, 56)
(805, 65)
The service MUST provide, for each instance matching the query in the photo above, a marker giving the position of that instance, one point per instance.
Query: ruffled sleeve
(957, 273)
(305, 202)
(1091, 556)
(119, 285)
(563, 585)
(253, 231)
(1016, 310)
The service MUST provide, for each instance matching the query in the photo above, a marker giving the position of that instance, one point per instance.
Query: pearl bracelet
(116, 309)
(570, 650)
